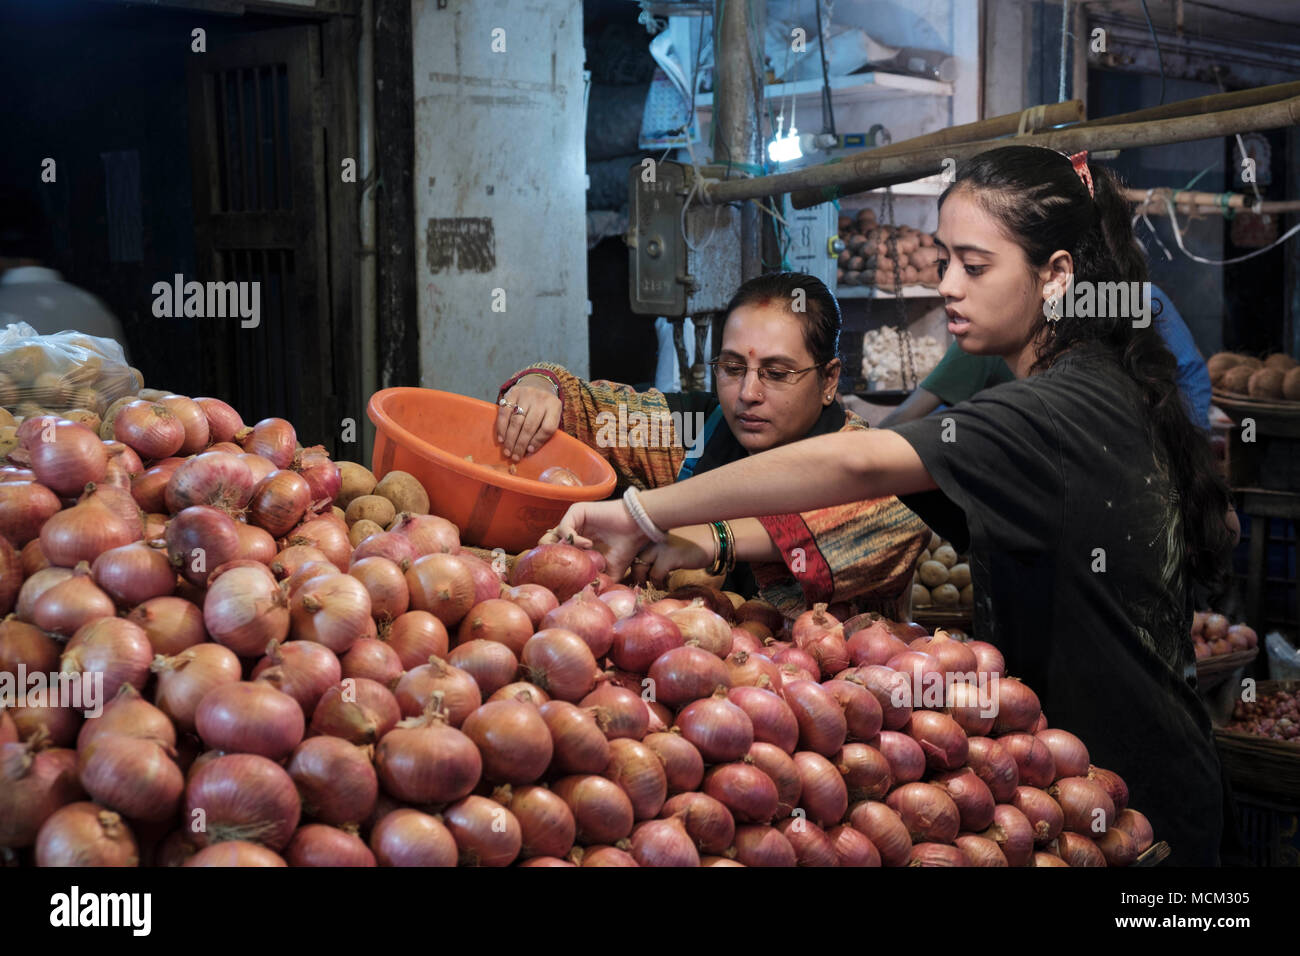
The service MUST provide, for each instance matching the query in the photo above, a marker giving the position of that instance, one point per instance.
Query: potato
(685, 577)
(959, 574)
(946, 555)
(375, 508)
(1280, 361)
(935, 542)
(6, 418)
(926, 240)
(920, 596)
(932, 574)
(362, 529)
(1236, 379)
(946, 595)
(85, 416)
(357, 481)
(844, 224)
(967, 596)
(405, 492)
(1265, 383)
(1291, 385)
(1219, 363)
(1250, 362)
(924, 557)
(853, 278)
(154, 394)
(736, 599)
(339, 513)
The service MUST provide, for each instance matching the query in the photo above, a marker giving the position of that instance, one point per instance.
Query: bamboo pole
(1200, 105)
(1204, 203)
(870, 172)
(1052, 114)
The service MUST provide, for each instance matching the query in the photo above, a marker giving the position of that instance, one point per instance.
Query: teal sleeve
(960, 375)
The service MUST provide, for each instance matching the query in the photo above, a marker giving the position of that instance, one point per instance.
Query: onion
(988, 659)
(33, 784)
(812, 847)
(862, 714)
(416, 636)
(773, 720)
(789, 656)
(245, 610)
(242, 797)
(149, 488)
(66, 457)
(25, 506)
(873, 644)
(214, 478)
(1013, 833)
(618, 712)
(492, 665)
(134, 573)
(513, 739)
(522, 690)
(936, 854)
(128, 715)
(32, 558)
(260, 467)
(335, 780)
(1034, 760)
(1043, 813)
(824, 795)
(822, 725)
(1018, 707)
(763, 846)
(235, 853)
(994, 764)
(1086, 806)
(588, 617)
(134, 776)
(30, 647)
(718, 728)
(326, 534)
(174, 849)
(297, 559)
(707, 822)
(499, 620)
(701, 626)
(279, 502)
(486, 833)
(578, 744)
(866, 772)
(304, 670)
(781, 768)
(927, 811)
(358, 710)
(745, 790)
(331, 610)
(829, 652)
(319, 845)
(194, 423)
(664, 843)
(321, 474)
(885, 829)
(452, 689)
(955, 657)
(924, 672)
(428, 534)
(753, 670)
(602, 811)
(1077, 850)
(640, 639)
(561, 568)
(852, 847)
(424, 760)
(1069, 754)
(487, 583)
(223, 421)
(972, 796)
(1112, 782)
(85, 834)
(82, 533)
(742, 640)
(906, 758)
(640, 774)
(443, 585)
(272, 438)
(372, 659)
(408, 837)
(1214, 627)
(250, 717)
(537, 602)
(113, 646)
(560, 662)
(941, 739)
(621, 600)
(150, 429)
(386, 544)
(545, 820)
(183, 679)
(201, 539)
(892, 690)
(684, 674)
(683, 765)
(1118, 848)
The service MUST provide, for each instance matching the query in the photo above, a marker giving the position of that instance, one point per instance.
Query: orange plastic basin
(429, 433)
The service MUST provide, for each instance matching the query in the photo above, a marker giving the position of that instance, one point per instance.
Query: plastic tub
(429, 433)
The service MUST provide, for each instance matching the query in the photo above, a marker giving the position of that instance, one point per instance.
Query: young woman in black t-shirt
(1087, 496)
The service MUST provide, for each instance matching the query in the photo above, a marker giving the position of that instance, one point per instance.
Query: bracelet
(719, 558)
(731, 547)
(648, 527)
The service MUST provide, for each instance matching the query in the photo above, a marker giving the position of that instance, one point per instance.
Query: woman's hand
(606, 526)
(688, 547)
(529, 418)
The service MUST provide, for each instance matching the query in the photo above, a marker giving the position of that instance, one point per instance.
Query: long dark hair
(819, 315)
(1041, 202)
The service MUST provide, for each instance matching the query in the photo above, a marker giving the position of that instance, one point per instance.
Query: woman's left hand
(606, 526)
(688, 547)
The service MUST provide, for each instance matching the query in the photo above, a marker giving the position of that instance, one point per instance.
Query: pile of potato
(40, 379)
(372, 505)
(868, 260)
(942, 577)
(1276, 376)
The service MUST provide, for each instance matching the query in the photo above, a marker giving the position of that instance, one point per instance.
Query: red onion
(822, 725)
(683, 765)
(824, 796)
(410, 838)
(873, 644)
(66, 457)
(640, 639)
(974, 800)
(150, 429)
(260, 467)
(1013, 833)
(560, 662)
(214, 478)
(487, 583)
(242, 797)
(1043, 813)
(279, 502)
(707, 822)
(545, 821)
(22, 644)
(32, 558)
(223, 421)
(602, 811)
(128, 715)
(988, 659)
(1069, 754)
(25, 507)
(319, 845)
(385, 584)
(272, 438)
(193, 421)
(388, 545)
(492, 665)
(358, 710)
(791, 656)
(685, 674)
(82, 533)
(1118, 848)
(134, 776)
(1086, 806)
(664, 843)
(33, 784)
(1112, 782)
(618, 712)
(443, 585)
(537, 602)
(486, 833)
(865, 770)
(201, 539)
(134, 573)
(962, 704)
(250, 717)
(513, 739)
(522, 690)
(924, 673)
(235, 853)
(743, 640)
(927, 811)
(86, 834)
(1077, 850)
(621, 600)
(372, 659)
(719, 729)
(937, 854)
(185, 678)
(579, 745)
(1137, 826)
(892, 690)
(905, 756)
(245, 610)
(331, 610)
(954, 656)
(853, 847)
(773, 720)
(321, 474)
(424, 760)
(701, 626)
(780, 767)
(1034, 760)
(416, 636)
(639, 772)
(335, 780)
(561, 568)
(1018, 707)
(588, 617)
(862, 714)
(113, 646)
(326, 534)
(452, 690)
(763, 846)
(994, 764)
(294, 560)
(304, 670)
(885, 829)
(428, 534)
(812, 847)
(941, 739)
(753, 670)
(498, 620)
(149, 488)
(745, 790)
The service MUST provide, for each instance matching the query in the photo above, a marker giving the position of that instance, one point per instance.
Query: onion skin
(937, 854)
(492, 665)
(685, 674)
(84, 532)
(865, 770)
(822, 725)
(873, 644)
(708, 822)
(328, 535)
(1018, 707)
(906, 758)
(486, 832)
(335, 780)
(428, 534)
(319, 845)
(417, 636)
(69, 604)
(408, 837)
(129, 715)
(763, 846)
(619, 712)
(1112, 782)
(537, 602)
(279, 502)
(927, 811)
(426, 761)
(746, 791)
(33, 785)
(683, 765)
(885, 829)
(994, 764)
(172, 624)
(513, 739)
(602, 812)
(443, 585)
(235, 853)
(862, 713)
(1043, 813)
(1034, 760)
(664, 843)
(371, 712)
(151, 429)
(1117, 847)
(988, 659)
(67, 457)
(545, 820)
(223, 421)
(579, 745)
(86, 834)
(460, 693)
(29, 646)
(374, 660)
(605, 856)
(1013, 833)
(972, 796)
(781, 768)
(1077, 850)
(853, 847)
(1085, 804)
(218, 479)
(250, 717)
(561, 568)
(242, 795)
(704, 628)
(272, 438)
(720, 730)
(773, 720)
(245, 610)
(640, 639)
(546, 861)
(824, 796)
(812, 847)
(304, 670)
(134, 776)
(1069, 753)
(133, 573)
(186, 677)
(25, 506)
(501, 621)
(640, 774)
(754, 670)
(587, 616)
(887, 686)
(113, 646)
(559, 661)
(332, 610)
(940, 737)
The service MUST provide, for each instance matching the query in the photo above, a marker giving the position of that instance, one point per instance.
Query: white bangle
(633, 504)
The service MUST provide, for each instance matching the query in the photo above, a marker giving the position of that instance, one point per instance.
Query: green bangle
(716, 567)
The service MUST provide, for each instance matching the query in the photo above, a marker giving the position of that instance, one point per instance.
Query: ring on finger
(518, 411)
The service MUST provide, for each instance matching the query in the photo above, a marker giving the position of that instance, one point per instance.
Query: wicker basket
(1213, 671)
(1260, 764)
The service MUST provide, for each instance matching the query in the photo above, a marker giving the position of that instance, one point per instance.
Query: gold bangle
(731, 547)
(716, 567)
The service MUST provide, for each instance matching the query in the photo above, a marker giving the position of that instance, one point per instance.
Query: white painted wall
(500, 138)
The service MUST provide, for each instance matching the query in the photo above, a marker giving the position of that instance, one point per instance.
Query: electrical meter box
(814, 242)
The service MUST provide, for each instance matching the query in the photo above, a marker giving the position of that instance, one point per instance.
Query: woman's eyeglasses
(767, 374)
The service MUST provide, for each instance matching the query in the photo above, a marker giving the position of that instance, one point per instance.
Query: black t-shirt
(1076, 560)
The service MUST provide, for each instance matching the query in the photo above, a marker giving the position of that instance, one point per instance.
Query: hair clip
(1080, 163)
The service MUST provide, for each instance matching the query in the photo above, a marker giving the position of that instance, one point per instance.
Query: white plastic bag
(60, 372)
(1283, 659)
